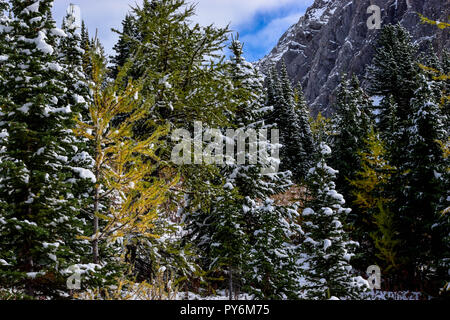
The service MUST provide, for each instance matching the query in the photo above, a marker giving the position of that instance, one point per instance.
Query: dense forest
(92, 205)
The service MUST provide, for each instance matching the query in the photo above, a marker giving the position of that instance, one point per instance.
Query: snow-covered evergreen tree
(39, 219)
(394, 68)
(4, 28)
(350, 132)
(220, 236)
(5, 48)
(176, 60)
(411, 121)
(245, 234)
(78, 97)
(327, 248)
(270, 269)
(304, 124)
(71, 57)
(293, 155)
(423, 183)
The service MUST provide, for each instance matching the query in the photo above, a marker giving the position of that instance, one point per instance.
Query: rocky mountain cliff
(333, 38)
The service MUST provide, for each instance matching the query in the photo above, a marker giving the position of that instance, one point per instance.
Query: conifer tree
(350, 130)
(327, 248)
(394, 70)
(180, 64)
(443, 222)
(377, 228)
(127, 197)
(40, 225)
(441, 73)
(423, 181)
(410, 122)
(126, 44)
(272, 271)
(293, 154)
(70, 56)
(270, 268)
(4, 23)
(184, 73)
(86, 45)
(393, 78)
(219, 234)
(248, 237)
(304, 123)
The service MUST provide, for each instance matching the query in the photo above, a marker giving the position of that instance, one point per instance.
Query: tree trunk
(230, 282)
(95, 242)
(95, 221)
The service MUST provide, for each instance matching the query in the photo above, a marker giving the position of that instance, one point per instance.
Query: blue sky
(260, 23)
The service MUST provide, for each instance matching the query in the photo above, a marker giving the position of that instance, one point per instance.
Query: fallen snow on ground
(221, 295)
(372, 295)
(392, 295)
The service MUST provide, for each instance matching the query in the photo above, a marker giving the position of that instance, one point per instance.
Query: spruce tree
(71, 55)
(284, 115)
(4, 29)
(394, 68)
(125, 47)
(86, 45)
(40, 226)
(270, 271)
(410, 122)
(304, 123)
(77, 95)
(393, 77)
(172, 56)
(244, 239)
(351, 128)
(327, 248)
(182, 71)
(350, 132)
(220, 236)
(423, 185)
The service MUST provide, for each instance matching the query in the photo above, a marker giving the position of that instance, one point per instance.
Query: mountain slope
(333, 38)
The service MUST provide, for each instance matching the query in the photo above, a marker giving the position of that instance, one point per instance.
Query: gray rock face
(333, 38)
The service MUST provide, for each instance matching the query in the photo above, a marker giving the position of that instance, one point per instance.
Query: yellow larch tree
(373, 201)
(124, 167)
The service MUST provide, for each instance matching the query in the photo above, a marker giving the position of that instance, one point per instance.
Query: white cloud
(222, 12)
(265, 39)
(107, 14)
